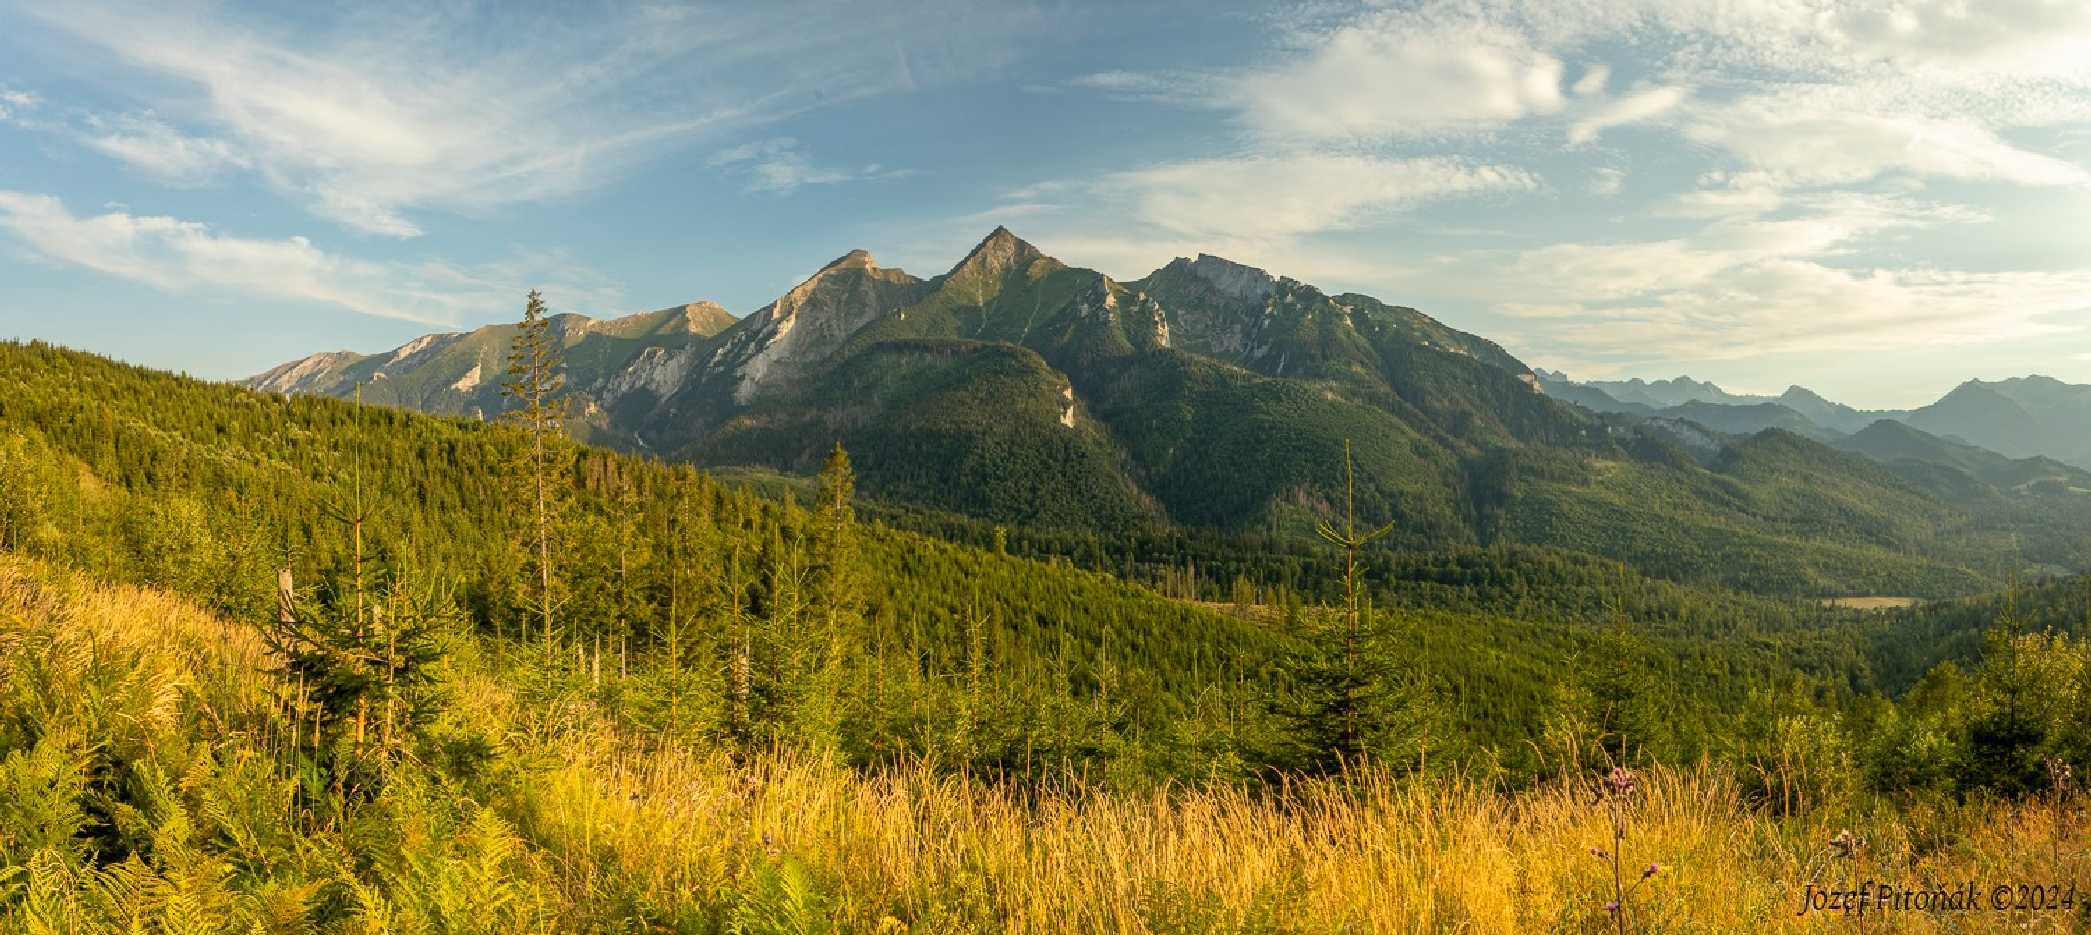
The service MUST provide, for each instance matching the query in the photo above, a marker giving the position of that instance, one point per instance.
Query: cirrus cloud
(396, 111)
(182, 256)
(1288, 196)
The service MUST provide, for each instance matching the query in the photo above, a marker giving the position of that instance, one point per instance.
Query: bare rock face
(1214, 305)
(312, 374)
(804, 326)
(460, 373)
(1232, 279)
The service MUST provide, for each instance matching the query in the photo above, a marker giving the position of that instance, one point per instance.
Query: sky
(1875, 199)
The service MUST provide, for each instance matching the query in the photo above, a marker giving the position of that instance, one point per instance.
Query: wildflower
(1620, 781)
(1652, 870)
(1599, 853)
(1612, 906)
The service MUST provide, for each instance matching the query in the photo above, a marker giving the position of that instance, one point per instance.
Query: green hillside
(205, 489)
(911, 411)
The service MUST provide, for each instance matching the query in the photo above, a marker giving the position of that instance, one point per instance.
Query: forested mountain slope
(1212, 395)
(206, 489)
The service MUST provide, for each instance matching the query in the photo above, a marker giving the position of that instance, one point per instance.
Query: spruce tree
(1355, 680)
(838, 596)
(1346, 703)
(535, 383)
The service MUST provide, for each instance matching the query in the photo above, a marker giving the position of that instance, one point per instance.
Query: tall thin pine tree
(534, 381)
(1350, 540)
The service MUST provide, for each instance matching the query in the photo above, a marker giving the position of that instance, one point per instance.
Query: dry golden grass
(1381, 856)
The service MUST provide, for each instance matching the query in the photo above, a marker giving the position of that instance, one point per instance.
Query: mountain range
(2022, 417)
(1209, 394)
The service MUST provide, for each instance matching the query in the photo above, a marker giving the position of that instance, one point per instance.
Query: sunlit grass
(574, 826)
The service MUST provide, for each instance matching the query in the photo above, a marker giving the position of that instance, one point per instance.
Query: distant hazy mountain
(2024, 417)
(2019, 417)
(1891, 441)
(1834, 416)
(1683, 396)
(1747, 418)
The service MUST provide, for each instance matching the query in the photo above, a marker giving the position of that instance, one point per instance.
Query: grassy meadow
(138, 725)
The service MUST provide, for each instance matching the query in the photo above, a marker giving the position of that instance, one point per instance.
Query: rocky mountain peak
(803, 326)
(855, 259)
(1233, 279)
(997, 253)
(702, 319)
(844, 279)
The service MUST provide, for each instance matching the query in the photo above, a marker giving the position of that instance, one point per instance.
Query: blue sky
(1875, 199)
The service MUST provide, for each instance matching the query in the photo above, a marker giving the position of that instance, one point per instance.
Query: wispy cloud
(1189, 88)
(388, 114)
(1263, 209)
(1801, 140)
(1743, 288)
(780, 164)
(1633, 108)
(1607, 181)
(185, 256)
(148, 143)
(1401, 74)
(1453, 67)
(1289, 196)
(14, 102)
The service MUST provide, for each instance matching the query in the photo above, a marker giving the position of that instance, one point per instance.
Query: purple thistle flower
(1652, 870)
(1620, 781)
(1612, 906)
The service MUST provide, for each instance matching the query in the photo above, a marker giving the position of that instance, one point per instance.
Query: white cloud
(1757, 286)
(146, 142)
(1727, 194)
(185, 256)
(1607, 181)
(14, 102)
(1874, 74)
(1177, 87)
(1799, 141)
(1633, 108)
(1281, 197)
(1396, 75)
(1780, 305)
(393, 113)
(1593, 80)
(779, 165)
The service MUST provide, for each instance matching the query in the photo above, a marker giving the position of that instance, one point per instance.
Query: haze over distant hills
(1209, 394)
(2021, 417)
